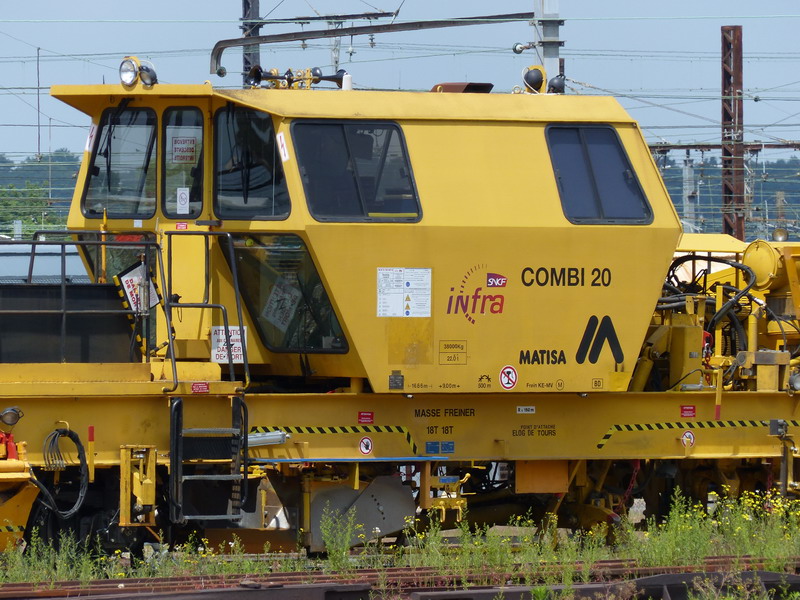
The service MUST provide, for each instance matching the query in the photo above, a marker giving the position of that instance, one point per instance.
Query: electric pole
(732, 133)
(251, 26)
(549, 41)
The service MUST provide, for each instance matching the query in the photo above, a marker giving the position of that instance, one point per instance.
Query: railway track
(620, 578)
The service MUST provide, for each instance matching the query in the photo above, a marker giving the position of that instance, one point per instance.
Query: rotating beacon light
(132, 70)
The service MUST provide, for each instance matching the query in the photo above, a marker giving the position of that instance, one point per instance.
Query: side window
(122, 174)
(355, 171)
(248, 173)
(183, 163)
(284, 294)
(595, 179)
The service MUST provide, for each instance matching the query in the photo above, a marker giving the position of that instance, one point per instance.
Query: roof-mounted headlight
(147, 74)
(129, 71)
(132, 70)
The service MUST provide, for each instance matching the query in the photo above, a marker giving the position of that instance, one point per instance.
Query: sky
(660, 59)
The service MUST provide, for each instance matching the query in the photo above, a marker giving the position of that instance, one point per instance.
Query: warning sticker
(281, 304)
(404, 292)
(219, 349)
(184, 150)
(365, 445)
(284, 151)
(508, 377)
(182, 198)
(132, 282)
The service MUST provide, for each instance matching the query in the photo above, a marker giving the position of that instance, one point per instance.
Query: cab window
(248, 174)
(122, 174)
(183, 163)
(284, 294)
(355, 171)
(596, 181)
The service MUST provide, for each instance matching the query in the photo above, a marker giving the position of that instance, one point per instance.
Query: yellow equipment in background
(387, 302)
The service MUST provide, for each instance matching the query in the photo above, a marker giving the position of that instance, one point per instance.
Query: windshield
(249, 181)
(122, 176)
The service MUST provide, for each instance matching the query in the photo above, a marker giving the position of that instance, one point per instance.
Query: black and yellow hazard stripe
(127, 306)
(344, 429)
(13, 528)
(679, 425)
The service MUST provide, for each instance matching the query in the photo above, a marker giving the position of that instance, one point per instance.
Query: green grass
(537, 555)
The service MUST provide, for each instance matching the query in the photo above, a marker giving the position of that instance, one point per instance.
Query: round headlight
(147, 74)
(11, 415)
(129, 71)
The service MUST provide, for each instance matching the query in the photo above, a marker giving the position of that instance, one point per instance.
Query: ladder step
(213, 517)
(211, 431)
(230, 477)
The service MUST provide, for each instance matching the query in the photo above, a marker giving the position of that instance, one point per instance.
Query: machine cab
(440, 242)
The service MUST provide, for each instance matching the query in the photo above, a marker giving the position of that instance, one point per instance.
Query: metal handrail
(145, 244)
(169, 303)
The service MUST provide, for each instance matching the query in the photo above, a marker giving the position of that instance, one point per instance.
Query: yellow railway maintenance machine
(301, 298)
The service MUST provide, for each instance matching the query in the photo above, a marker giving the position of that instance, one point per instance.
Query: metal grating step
(214, 477)
(211, 431)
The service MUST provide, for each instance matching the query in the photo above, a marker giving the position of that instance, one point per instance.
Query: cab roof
(317, 103)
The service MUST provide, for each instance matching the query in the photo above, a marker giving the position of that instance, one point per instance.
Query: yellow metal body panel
(541, 477)
(14, 514)
(459, 427)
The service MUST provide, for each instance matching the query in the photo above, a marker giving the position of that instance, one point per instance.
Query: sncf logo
(495, 280)
(595, 337)
(473, 298)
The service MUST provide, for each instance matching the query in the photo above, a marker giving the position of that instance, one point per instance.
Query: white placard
(182, 197)
(404, 292)
(184, 150)
(281, 304)
(219, 349)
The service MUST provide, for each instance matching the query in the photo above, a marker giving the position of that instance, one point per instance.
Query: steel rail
(407, 582)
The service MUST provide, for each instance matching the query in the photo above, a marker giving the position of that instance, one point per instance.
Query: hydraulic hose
(54, 460)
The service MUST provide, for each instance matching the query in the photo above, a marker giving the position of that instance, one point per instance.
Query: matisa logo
(473, 298)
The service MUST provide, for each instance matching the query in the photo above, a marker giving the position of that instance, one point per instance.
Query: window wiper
(106, 152)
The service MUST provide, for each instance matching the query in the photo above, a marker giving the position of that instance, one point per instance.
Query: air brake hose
(51, 451)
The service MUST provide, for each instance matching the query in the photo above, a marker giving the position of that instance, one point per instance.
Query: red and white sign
(184, 150)
(284, 151)
(365, 445)
(219, 347)
(688, 411)
(132, 283)
(200, 387)
(181, 226)
(687, 439)
(90, 139)
(508, 377)
(366, 417)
